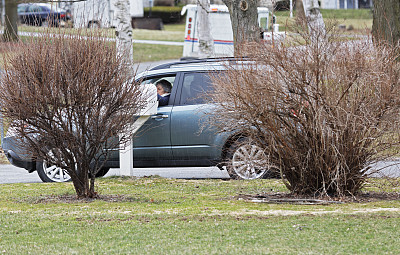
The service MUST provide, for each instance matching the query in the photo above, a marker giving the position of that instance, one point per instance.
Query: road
(140, 67)
(12, 174)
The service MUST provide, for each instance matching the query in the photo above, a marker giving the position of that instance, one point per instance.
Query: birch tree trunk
(386, 23)
(314, 16)
(123, 32)
(244, 18)
(206, 42)
(300, 14)
(11, 19)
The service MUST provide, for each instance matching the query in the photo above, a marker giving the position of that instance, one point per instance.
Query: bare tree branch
(69, 99)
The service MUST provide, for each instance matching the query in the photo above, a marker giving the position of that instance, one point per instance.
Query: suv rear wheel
(248, 161)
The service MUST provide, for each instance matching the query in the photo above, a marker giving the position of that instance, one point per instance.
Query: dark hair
(166, 85)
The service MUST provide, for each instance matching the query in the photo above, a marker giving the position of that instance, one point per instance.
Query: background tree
(386, 22)
(300, 15)
(313, 21)
(67, 98)
(11, 16)
(244, 18)
(123, 32)
(11, 20)
(206, 42)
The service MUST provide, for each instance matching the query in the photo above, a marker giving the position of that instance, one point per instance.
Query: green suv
(176, 135)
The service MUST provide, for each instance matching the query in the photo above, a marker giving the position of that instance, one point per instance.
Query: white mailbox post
(126, 151)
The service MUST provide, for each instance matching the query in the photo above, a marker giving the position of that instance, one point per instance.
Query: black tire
(45, 23)
(248, 161)
(94, 25)
(51, 173)
(102, 172)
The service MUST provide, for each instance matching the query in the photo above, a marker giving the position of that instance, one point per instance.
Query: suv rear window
(194, 87)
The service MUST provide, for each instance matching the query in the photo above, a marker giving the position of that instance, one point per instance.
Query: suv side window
(34, 8)
(194, 88)
(22, 8)
(154, 79)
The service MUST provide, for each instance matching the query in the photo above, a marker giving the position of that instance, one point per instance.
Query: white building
(264, 3)
(346, 4)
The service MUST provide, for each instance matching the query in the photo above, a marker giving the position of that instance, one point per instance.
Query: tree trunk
(11, 19)
(244, 18)
(124, 32)
(300, 15)
(386, 23)
(82, 179)
(206, 42)
(315, 22)
(1, 10)
(81, 187)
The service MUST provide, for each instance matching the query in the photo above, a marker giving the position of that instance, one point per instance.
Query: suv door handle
(159, 116)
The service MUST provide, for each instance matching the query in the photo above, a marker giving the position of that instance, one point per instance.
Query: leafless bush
(324, 109)
(68, 97)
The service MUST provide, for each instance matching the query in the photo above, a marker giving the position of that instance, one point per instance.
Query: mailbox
(149, 95)
(150, 104)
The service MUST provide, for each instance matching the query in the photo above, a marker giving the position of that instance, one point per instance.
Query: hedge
(168, 14)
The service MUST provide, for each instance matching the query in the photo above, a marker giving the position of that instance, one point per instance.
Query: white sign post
(126, 151)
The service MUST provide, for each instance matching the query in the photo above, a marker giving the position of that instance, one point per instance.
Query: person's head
(163, 87)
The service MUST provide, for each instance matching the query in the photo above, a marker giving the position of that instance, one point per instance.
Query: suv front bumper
(18, 162)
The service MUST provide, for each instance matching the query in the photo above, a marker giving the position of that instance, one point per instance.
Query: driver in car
(163, 92)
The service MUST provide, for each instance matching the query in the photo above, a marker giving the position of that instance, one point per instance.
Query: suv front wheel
(51, 173)
(248, 161)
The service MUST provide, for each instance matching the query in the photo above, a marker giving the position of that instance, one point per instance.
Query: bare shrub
(324, 109)
(69, 97)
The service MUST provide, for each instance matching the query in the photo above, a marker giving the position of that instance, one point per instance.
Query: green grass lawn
(338, 14)
(360, 20)
(147, 52)
(142, 52)
(165, 216)
(151, 52)
(173, 32)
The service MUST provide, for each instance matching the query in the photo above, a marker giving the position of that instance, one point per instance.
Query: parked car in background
(175, 136)
(101, 13)
(42, 14)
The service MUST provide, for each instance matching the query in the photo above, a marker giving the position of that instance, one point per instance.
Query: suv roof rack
(192, 60)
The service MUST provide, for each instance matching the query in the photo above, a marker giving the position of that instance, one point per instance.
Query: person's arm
(162, 100)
